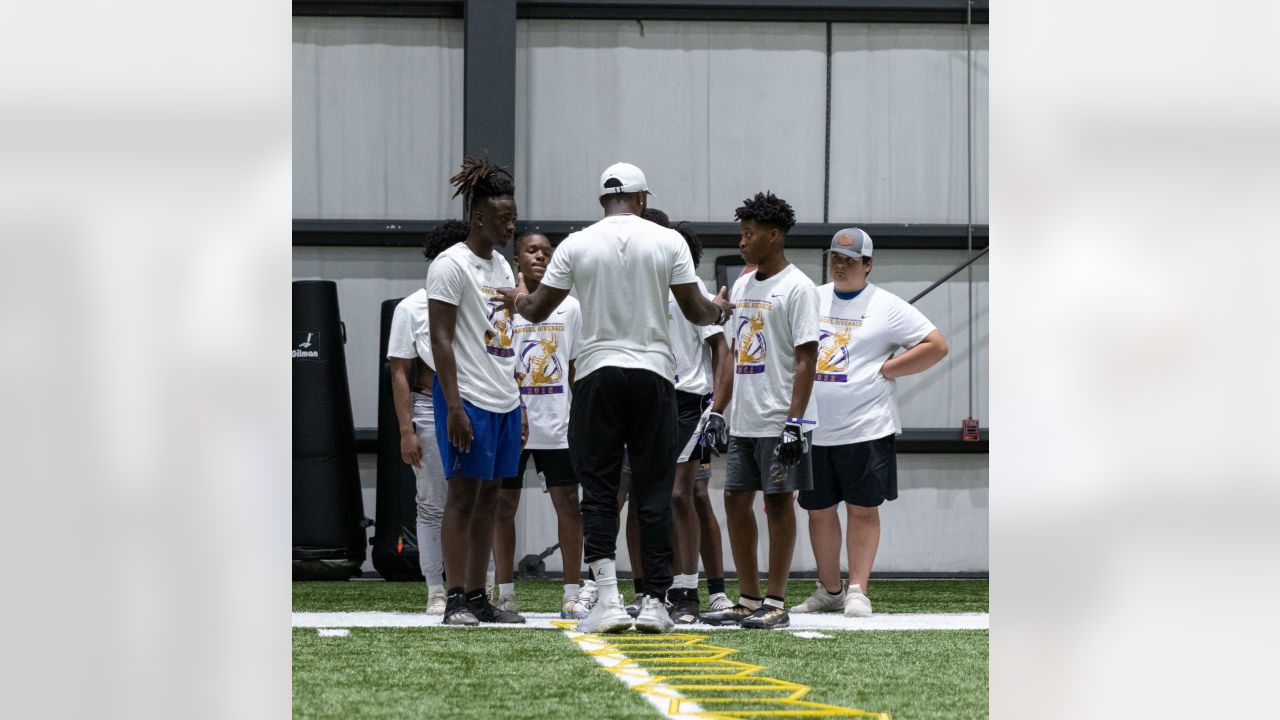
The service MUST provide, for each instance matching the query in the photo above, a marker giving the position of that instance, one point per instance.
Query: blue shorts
(495, 443)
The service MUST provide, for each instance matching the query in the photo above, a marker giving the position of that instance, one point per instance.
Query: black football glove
(716, 433)
(792, 445)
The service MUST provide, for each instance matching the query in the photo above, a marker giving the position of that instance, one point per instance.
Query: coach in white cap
(860, 328)
(623, 267)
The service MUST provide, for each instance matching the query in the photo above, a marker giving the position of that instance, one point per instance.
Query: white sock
(433, 589)
(748, 603)
(773, 602)
(506, 589)
(685, 582)
(606, 579)
(570, 590)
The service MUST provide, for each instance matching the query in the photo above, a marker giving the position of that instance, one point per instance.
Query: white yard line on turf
(542, 621)
(659, 695)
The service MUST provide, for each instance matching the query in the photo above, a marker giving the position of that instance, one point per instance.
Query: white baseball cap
(851, 242)
(631, 177)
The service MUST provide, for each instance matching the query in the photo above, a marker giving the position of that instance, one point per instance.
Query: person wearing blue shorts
(475, 389)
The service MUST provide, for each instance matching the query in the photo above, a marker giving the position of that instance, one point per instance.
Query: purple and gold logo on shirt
(499, 341)
(541, 371)
(752, 347)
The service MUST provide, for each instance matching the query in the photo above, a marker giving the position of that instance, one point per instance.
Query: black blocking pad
(328, 512)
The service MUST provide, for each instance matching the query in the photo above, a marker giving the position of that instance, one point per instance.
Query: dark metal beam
(489, 80)
(411, 233)
(909, 11)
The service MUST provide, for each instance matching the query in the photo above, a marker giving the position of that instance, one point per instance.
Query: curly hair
(480, 179)
(520, 240)
(695, 245)
(444, 237)
(654, 215)
(767, 209)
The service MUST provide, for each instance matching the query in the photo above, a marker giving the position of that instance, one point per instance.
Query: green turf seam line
(684, 677)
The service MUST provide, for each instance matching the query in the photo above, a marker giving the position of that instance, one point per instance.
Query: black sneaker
(684, 611)
(732, 616)
(486, 612)
(456, 612)
(634, 608)
(767, 617)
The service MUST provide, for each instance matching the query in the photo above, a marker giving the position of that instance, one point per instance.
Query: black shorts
(554, 465)
(863, 474)
(751, 465)
(688, 413)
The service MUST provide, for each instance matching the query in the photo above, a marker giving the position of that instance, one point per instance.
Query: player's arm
(723, 376)
(697, 309)
(926, 353)
(532, 306)
(444, 320)
(573, 371)
(802, 385)
(410, 448)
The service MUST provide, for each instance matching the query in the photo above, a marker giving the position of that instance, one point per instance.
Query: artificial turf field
(528, 673)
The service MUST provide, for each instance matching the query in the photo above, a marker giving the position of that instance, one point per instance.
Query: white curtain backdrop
(712, 112)
(377, 117)
(898, 143)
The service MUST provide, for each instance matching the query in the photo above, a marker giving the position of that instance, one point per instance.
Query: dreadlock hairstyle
(654, 215)
(481, 179)
(690, 237)
(444, 237)
(767, 209)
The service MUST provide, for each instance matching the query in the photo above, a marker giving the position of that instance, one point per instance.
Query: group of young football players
(628, 389)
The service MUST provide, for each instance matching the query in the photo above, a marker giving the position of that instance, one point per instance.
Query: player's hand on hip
(716, 433)
(459, 427)
(792, 445)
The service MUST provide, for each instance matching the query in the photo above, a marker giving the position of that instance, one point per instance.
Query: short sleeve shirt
(771, 318)
(622, 269)
(410, 330)
(543, 353)
(689, 346)
(855, 402)
(483, 339)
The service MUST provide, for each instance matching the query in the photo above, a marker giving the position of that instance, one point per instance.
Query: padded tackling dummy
(328, 513)
(395, 540)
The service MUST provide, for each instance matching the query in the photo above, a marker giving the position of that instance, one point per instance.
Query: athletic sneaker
(606, 617)
(822, 601)
(857, 604)
(685, 609)
(436, 602)
(486, 612)
(574, 608)
(767, 617)
(634, 608)
(460, 615)
(653, 617)
(719, 601)
(731, 616)
(508, 603)
(588, 593)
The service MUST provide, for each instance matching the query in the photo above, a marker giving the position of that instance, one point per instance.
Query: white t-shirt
(483, 345)
(689, 345)
(855, 402)
(622, 269)
(543, 352)
(410, 330)
(772, 317)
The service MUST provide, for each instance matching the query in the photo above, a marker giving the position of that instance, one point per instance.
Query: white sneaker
(822, 601)
(508, 603)
(607, 617)
(588, 593)
(719, 602)
(653, 617)
(435, 603)
(572, 607)
(857, 604)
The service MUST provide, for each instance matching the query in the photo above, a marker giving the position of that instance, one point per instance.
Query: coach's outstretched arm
(698, 309)
(532, 306)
